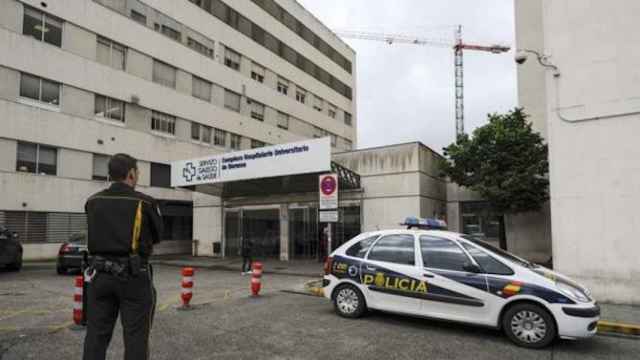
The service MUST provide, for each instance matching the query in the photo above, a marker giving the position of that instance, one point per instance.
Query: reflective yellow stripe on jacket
(137, 226)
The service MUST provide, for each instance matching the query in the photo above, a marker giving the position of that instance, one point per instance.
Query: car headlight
(572, 292)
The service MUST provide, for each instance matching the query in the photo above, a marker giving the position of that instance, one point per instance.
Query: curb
(233, 268)
(605, 326)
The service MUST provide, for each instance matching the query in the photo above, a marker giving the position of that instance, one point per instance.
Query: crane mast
(458, 47)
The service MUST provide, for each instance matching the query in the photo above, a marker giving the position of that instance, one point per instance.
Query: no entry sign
(328, 189)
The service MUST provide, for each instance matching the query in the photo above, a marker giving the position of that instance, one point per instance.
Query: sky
(406, 92)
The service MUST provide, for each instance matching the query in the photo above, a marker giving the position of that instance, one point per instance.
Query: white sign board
(328, 190)
(303, 157)
(328, 216)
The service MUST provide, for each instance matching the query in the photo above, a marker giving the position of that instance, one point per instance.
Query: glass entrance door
(303, 233)
(232, 233)
(261, 229)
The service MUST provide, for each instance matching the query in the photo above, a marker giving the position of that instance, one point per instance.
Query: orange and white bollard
(77, 300)
(255, 278)
(187, 287)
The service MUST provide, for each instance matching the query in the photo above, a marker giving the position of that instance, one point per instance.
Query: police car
(445, 275)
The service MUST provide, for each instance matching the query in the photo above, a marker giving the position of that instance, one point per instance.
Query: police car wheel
(348, 302)
(529, 325)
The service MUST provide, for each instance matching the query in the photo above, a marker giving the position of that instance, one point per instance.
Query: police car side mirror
(472, 268)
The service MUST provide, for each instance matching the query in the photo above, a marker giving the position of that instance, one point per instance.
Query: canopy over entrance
(278, 169)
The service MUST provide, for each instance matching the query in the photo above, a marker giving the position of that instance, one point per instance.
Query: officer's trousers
(134, 299)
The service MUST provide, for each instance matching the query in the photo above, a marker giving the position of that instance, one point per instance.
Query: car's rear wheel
(348, 301)
(529, 325)
(60, 270)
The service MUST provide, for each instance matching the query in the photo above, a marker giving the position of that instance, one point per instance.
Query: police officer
(123, 226)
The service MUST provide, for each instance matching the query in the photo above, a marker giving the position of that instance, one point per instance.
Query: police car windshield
(504, 254)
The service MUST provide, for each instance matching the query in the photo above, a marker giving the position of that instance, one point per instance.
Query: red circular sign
(328, 185)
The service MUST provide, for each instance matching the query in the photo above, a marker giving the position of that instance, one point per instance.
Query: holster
(135, 264)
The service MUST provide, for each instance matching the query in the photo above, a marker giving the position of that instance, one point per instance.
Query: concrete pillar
(284, 232)
(207, 223)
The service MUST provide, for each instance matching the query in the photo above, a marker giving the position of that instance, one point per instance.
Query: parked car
(445, 275)
(71, 253)
(10, 249)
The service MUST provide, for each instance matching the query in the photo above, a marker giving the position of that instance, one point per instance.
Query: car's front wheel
(529, 325)
(348, 301)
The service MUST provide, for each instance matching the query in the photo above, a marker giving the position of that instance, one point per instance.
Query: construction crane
(458, 47)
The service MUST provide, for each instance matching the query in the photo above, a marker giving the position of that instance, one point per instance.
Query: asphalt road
(35, 310)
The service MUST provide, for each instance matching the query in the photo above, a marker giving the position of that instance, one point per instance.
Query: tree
(504, 161)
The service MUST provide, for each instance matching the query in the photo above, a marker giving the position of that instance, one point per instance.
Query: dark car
(10, 249)
(71, 253)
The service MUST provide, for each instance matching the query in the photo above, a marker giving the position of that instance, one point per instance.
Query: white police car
(446, 275)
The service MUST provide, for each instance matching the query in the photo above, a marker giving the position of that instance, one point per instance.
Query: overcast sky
(406, 92)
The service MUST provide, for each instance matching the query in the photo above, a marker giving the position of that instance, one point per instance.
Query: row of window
(58, 227)
(48, 92)
(288, 20)
(43, 160)
(39, 25)
(437, 253)
(245, 26)
(232, 59)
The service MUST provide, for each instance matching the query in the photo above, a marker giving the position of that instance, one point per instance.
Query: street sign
(329, 216)
(328, 189)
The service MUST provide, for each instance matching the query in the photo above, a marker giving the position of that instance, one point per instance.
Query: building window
(199, 47)
(220, 138)
(109, 108)
(257, 110)
(110, 53)
(136, 16)
(257, 73)
(283, 121)
(283, 86)
(201, 89)
(318, 103)
(301, 95)
(232, 100)
(235, 141)
(164, 74)
(333, 111)
(163, 123)
(334, 139)
(44, 91)
(160, 175)
(168, 31)
(206, 134)
(232, 59)
(44, 227)
(347, 118)
(256, 144)
(195, 131)
(37, 159)
(43, 27)
(100, 167)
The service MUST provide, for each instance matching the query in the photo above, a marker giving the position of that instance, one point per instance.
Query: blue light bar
(424, 223)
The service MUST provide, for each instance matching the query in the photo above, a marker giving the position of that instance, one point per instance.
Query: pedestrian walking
(246, 256)
(123, 226)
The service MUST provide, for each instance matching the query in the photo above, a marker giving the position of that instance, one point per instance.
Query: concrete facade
(592, 122)
(78, 134)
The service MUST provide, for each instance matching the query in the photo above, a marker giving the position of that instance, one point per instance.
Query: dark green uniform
(123, 225)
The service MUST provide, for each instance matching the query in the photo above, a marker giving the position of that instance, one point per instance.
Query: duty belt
(121, 267)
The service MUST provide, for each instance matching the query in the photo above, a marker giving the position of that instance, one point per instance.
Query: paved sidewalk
(308, 268)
